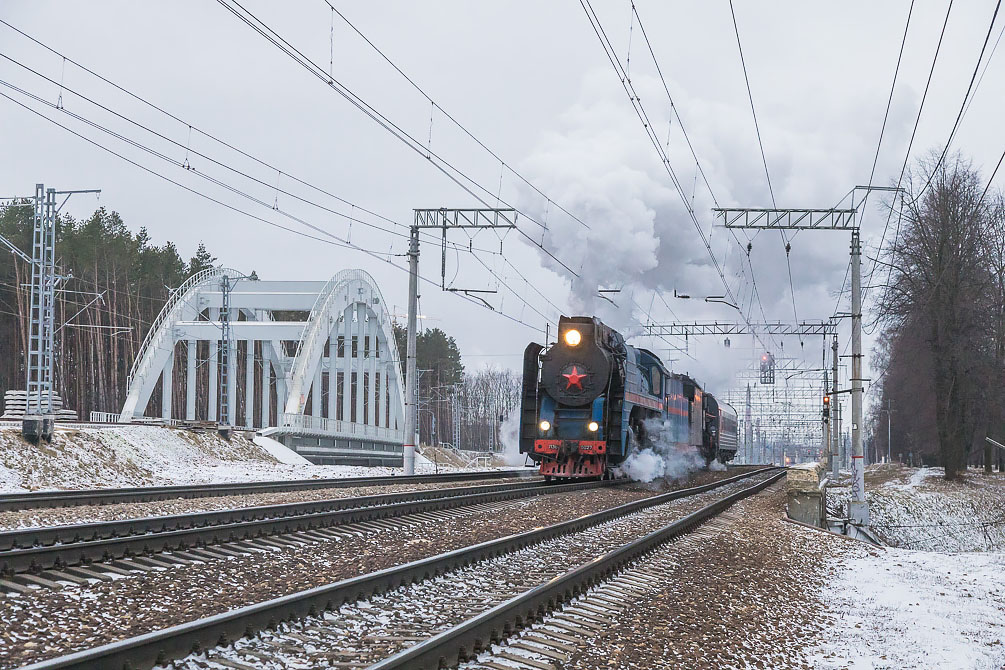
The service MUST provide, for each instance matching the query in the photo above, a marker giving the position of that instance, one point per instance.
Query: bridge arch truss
(311, 364)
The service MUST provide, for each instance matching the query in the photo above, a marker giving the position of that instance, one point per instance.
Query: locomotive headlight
(545, 426)
(593, 426)
(573, 337)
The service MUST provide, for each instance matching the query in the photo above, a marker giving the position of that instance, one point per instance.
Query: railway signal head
(767, 368)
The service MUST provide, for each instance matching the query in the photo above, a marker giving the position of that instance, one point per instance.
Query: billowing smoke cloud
(599, 164)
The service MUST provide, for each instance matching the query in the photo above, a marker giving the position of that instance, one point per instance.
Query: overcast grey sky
(531, 81)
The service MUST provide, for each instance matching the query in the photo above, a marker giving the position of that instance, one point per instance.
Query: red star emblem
(574, 378)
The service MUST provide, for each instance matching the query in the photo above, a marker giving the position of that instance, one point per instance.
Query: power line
(687, 139)
(764, 161)
(448, 169)
(963, 105)
(650, 132)
(879, 144)
(452, 119)
(910, 144)
(188, 149)
(220, 183)
(336, 241)
(750, 96)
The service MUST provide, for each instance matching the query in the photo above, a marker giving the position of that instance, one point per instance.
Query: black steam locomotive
(590, 399)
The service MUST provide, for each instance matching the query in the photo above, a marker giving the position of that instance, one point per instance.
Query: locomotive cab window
(655, 380)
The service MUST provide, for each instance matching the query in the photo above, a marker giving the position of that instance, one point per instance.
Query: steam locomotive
(590, 399)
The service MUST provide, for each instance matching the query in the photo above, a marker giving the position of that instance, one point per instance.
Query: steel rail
(161, 646)
(35, 549)
(41, 499)
(462, 642)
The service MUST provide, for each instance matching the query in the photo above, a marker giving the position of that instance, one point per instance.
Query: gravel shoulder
(45, 623)
(743, 597)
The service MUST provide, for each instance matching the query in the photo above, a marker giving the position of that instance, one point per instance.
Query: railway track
(557, 637)
(44, 499)
(43, 556)
(370, 621)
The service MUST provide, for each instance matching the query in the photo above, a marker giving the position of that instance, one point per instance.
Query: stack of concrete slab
(15, 403)
(806, 496)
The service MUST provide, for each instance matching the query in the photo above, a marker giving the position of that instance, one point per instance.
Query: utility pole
(748, 428)
(889, 421)
(826, 451)
(858, 507)
(836, 412)
(411, 385)
(441, 219)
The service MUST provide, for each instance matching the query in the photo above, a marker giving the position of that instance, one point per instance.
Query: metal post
(858, 507)
(835, 442)
(346, 329)
(49, 272)
(360, 363)
(167, 383)
(191, 348)
(371, 389)
(266, 389)
(748, 427)
(826, 450)
(212, 370)
(333, 374)
(410, 380)
(249, 384)
(889, 420)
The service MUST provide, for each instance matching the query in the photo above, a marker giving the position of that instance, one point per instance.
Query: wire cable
(335, 241)
(963, 105)
(450, 117)
(186, 165)
(459, 177)
(650, 132)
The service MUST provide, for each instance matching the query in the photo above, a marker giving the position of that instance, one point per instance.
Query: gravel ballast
(45, 623)
(745, 596)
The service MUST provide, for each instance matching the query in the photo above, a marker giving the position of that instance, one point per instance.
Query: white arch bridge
(327, 385)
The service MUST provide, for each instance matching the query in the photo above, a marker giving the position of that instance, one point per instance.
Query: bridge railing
(301, 424)
(112, 417)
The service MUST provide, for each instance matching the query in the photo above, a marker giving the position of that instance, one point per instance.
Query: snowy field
(915, 508)
(897, 608)
(152, 455)
(938, 602)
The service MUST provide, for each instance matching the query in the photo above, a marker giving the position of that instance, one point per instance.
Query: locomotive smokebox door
(577, 369)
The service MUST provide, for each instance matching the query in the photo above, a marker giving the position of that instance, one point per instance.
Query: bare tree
(940, 283)
(994, 253)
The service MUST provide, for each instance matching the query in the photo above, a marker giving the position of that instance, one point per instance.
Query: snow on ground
(153, 455)
(915, 508)
(914, 609)
(938, 601)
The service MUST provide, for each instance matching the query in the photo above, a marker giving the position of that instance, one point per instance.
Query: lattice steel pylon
(43, 292)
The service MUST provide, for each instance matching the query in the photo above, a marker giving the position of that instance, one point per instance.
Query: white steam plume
(662, 460)
(509, 435)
